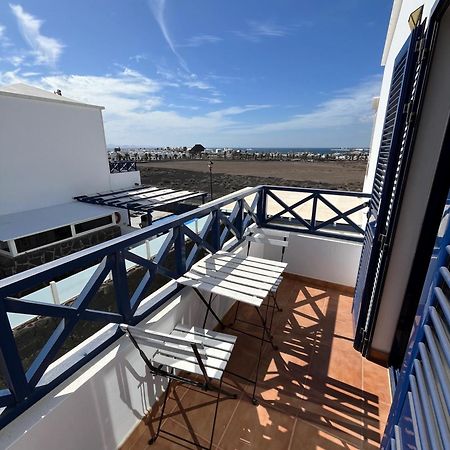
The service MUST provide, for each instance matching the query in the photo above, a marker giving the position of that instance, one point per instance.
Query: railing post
(239, 221)
(148, 249)
(261, 207)
(314, 211)
(215, 231)
(10, 361)
(120, 281)
(180, 250)
(55, 293)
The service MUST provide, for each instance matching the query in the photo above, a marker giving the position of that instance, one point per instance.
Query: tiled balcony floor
(315, 392)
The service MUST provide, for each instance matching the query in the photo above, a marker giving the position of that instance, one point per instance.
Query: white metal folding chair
(186, 349)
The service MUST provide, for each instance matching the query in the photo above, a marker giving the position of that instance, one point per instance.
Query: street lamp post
(210, 165)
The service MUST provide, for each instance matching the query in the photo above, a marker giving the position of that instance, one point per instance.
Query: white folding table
(245, 279)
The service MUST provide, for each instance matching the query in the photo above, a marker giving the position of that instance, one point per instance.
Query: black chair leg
(264, 328)
(215, 413)
(152, 440)
(276, 303)
(235, 315)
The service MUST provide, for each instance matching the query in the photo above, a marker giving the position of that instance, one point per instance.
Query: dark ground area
(224, 183)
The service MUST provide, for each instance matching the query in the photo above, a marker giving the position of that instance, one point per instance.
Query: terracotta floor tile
(166, 442)
(257, 427)
(376, 381)
(333, 420)
(138, 437)
(309, 436)
(375, 411)
(196, 413)
(279, 399)
(338, 361)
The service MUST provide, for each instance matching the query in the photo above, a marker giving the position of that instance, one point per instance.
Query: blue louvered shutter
(420, 412)
(387, 189)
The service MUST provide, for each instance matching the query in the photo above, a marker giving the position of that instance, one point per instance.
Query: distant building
(196, 150)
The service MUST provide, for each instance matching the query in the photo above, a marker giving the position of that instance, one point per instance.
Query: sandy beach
(229, 176)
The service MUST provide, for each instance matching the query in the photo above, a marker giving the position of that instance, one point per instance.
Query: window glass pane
(40, 239)
(91, 224)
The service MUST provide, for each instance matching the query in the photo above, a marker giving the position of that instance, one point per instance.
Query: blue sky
(250, 73)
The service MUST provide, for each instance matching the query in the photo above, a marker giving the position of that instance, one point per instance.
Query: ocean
(290, 149)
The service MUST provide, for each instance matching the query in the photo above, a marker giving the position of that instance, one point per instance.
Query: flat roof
(143, 198)
(13, 226)
(34, 93)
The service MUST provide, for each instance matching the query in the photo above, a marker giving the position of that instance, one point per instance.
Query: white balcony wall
(322, 258)
(125, 180)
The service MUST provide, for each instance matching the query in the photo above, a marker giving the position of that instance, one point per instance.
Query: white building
(52, 150)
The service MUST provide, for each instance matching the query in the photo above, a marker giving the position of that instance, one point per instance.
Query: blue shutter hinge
(408, 111)
(364, 339)
(421, 49)
(382, 240)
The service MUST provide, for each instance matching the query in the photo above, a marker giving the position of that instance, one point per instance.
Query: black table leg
(208, 307)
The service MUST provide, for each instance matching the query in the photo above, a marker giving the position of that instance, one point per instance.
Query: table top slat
(233, 278)
(244, 289)
(220, 265)
(246, 276)
(228, 293)
(269, 262)
(246, 262)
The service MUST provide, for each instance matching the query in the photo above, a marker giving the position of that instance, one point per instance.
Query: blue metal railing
(122, 166)
(321, 211)
(265, 206)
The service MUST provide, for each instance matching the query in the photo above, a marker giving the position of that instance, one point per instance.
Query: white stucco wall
(321, 258)
(125, 179)
(50, 152)
(395, 40)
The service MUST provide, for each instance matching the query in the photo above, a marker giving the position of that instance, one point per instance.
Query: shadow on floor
(315, 391)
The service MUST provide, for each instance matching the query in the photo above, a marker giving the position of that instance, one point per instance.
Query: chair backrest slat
(164, 341)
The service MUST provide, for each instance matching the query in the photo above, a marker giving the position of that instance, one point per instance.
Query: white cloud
(16, 60)
(136, 113)
(46, 50)
(211, 100)
(235, 110)
(158, 8)
(180, 78)
(197, 41)
(5, 42)
(124, 93)
(197, 84)
(257, 30)
(139, 57)
(347, 107)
